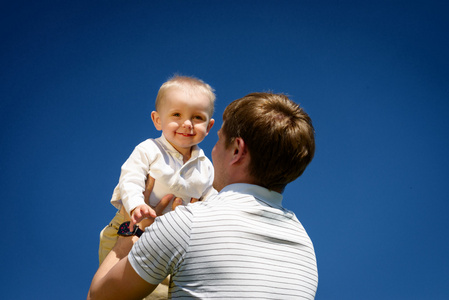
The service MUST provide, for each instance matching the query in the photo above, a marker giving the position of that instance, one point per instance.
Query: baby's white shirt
(159, 159)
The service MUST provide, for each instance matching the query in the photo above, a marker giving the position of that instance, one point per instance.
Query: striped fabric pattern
(239, 244)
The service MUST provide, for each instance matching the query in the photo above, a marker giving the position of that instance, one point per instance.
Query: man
(240, 243)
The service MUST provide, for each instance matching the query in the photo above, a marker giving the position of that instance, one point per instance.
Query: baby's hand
(141, 212)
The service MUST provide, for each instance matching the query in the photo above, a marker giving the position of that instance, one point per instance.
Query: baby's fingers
(140, 214)
(136, 217)
(148, 212)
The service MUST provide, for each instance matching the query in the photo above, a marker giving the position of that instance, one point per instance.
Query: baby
(184, 109)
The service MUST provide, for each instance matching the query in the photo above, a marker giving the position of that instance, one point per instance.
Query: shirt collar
(272, 198)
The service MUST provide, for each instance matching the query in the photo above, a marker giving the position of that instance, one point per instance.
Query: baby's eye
(176, 114)
(199, 118)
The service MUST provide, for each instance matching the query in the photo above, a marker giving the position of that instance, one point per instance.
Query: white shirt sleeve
(132, 177)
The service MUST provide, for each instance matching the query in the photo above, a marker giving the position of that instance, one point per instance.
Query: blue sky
(78, 83)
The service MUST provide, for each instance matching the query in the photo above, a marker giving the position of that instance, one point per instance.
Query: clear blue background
(78, 83)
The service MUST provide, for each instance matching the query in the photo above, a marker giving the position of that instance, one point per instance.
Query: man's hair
(188, 84)
(278, 134)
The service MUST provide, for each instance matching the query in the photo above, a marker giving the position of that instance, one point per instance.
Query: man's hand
(149, 184)
(178, 201)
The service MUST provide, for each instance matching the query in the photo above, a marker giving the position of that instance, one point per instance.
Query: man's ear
(240, 151)
(211, 123)
(156, 120)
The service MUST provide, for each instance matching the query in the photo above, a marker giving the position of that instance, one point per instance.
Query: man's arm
(116, 278)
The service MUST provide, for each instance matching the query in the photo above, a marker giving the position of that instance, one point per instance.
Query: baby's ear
(156, 120)
(211, 123)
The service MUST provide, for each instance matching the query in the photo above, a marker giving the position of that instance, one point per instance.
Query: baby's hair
(186, 83)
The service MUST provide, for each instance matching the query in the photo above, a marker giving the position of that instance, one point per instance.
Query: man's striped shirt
(238, 244)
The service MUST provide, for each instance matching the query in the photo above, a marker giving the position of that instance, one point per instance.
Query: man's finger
(163, 204)
(176, 202)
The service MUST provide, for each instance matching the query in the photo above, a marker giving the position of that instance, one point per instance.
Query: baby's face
(184, 118)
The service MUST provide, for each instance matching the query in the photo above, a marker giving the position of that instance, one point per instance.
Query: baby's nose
(187, 123)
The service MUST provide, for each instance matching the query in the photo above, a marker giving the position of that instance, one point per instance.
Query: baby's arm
(139, 213)
(133, 175)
